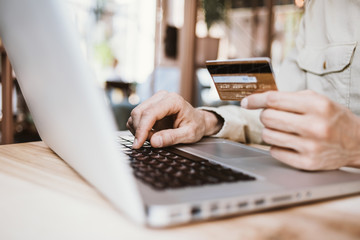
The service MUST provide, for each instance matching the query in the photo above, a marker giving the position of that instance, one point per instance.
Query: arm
(240, 124)
(166, 119)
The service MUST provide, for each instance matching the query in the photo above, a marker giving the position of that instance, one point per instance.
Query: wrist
(213, 122)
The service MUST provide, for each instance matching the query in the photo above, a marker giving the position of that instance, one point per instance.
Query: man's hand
(307, 130)
(166, 119)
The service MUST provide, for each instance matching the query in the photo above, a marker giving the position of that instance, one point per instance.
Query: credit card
(238, 78)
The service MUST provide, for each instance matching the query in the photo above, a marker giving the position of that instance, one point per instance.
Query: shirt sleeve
(240, 124)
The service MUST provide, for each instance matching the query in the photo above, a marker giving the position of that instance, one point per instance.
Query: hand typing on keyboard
(167, 119)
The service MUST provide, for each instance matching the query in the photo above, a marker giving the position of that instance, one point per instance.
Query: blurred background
(138, 47)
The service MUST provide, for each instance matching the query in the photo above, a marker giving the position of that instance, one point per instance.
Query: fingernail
(244, 103)
(157, 141)
(135, 142)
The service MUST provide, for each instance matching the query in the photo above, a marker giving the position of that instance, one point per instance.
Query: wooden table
(43, 198)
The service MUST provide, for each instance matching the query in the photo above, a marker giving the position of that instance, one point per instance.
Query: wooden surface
(43, 198)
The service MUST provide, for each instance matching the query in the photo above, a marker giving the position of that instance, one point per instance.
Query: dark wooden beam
(187, 52)
(270, 27)
(7, 123)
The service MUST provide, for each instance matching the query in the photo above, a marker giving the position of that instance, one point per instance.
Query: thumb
(169, 137)
(256, 100)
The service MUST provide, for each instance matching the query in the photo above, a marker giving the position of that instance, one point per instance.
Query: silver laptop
(209, 179)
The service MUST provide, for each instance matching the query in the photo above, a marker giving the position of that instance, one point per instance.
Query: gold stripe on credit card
(236, 79)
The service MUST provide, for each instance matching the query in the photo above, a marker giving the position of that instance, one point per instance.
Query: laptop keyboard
(163, 169)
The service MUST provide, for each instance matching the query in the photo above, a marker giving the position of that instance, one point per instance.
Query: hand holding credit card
(236, 79)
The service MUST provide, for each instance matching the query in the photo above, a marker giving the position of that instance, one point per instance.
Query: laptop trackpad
(223, 150)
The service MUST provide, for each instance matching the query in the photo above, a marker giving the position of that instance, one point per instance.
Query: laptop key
(162, 169)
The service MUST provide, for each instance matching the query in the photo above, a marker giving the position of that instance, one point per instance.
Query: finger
(297, 102)
(255, 101)
(170, 137)
(149, 117)
(288, 156)
(305, 125)
(165, 123)
(141, 135)
(283, 121)
(299, 160)
(284, 140)
(147, 104)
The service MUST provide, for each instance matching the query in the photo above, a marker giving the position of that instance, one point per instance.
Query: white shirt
(326, 59)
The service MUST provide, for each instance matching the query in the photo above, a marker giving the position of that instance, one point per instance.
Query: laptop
(223, 178)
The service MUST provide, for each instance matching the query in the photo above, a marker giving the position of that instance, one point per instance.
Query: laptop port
(284, 198)
(195, 211)
(242, 204)
(214, 208)
(259, 202)
(175, 215)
